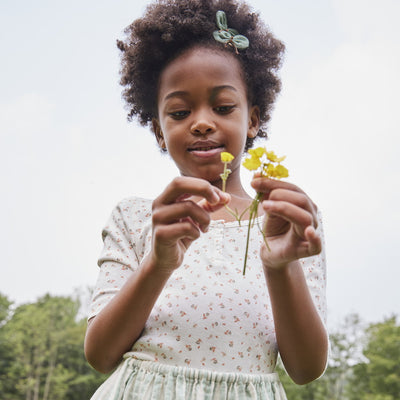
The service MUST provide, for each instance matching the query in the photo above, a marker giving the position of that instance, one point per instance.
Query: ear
(158, 132)
(254, 122)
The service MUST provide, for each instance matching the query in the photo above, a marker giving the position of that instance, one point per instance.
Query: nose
(202, 124)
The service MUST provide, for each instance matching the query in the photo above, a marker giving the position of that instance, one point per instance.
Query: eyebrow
(178, 93)
(214, 92)
(218, 89)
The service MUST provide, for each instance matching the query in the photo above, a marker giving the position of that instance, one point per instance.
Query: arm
(291, 235)
(177, 221)
(116, 328)
(301, 335)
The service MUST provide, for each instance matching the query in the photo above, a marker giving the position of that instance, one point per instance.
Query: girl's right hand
(178, 220)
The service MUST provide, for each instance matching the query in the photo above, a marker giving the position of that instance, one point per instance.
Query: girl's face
(203, 110)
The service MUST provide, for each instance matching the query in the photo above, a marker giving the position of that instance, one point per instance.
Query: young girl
(171, 308)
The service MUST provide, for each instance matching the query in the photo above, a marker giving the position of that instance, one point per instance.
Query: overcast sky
(68, 154)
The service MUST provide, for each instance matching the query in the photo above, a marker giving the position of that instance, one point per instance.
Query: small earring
(161, 143)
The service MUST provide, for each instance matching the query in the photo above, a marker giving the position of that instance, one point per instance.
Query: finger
(170, 234)
(184, 210)
(267, 185)
(314, 241)
(224, 199)
(289, 212)
(307, 249)
(182, 186)
(299, 199)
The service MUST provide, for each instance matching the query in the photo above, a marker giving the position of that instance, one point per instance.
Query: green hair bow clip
(229, 36)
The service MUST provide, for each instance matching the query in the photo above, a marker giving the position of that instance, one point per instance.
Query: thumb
(224, 198)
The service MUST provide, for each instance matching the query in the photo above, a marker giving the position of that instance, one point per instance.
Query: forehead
(202, 67)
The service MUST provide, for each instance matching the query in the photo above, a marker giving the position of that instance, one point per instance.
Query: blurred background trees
(41, 356)
(364, 364)
(41, 351)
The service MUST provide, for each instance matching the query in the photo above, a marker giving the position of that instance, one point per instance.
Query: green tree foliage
(5, 305)
(6, 353)
(345, 351)
(364, 365)
(379, 377)
(41, 357)
(44, 345)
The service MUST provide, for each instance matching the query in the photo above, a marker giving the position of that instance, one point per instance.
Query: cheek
(240, 129)
(173, 140)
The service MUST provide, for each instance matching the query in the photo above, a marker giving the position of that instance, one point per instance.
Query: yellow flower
(272, 156)
(226, 157)
(257, 152)
(251, 163)
(268, 165)
(281, 171)
(268, 170)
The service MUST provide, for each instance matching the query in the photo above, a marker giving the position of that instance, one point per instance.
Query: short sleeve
(315, 272)
(125, 237)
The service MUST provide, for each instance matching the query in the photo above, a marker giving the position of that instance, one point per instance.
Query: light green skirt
(145, 380)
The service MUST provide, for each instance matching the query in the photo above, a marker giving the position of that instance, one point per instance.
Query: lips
(205, 146)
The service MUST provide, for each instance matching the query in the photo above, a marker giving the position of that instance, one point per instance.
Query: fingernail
(267, 203)
(204, 228)
(224, 196)
(215, 198)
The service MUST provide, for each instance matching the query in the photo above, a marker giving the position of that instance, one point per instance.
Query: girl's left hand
(291, 223)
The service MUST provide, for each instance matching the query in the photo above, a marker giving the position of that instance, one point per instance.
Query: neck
(233, 185)
(240, 200)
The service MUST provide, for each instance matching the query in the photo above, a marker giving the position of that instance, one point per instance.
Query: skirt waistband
(200, 374)
(138, 379)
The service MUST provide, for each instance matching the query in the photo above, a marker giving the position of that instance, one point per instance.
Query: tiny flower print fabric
(209, 315)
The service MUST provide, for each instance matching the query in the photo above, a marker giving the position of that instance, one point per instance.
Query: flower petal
(257, 152)
(226, 157)
(281, 171)
(251, 163)
(271, 156)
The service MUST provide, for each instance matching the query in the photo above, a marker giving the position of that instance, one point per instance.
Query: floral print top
(208, 315)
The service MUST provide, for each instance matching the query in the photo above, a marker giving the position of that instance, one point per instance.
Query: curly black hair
(170, 27)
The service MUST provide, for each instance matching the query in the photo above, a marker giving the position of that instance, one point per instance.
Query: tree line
(364, 364)
(41, 356)
(41, 351)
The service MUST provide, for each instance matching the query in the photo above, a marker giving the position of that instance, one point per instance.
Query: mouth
(205, 151)
(208, 148)
(204, 147)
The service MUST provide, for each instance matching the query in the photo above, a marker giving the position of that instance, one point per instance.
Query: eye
(181, 114)
(224, 109)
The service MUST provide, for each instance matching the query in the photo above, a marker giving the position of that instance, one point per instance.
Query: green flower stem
(235, 214)
(262, 231)
(224, 176)
(253, 215)
(266, 164)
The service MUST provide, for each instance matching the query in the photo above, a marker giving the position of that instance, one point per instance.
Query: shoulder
(127, 229)
(128, 215)
(133, 209)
